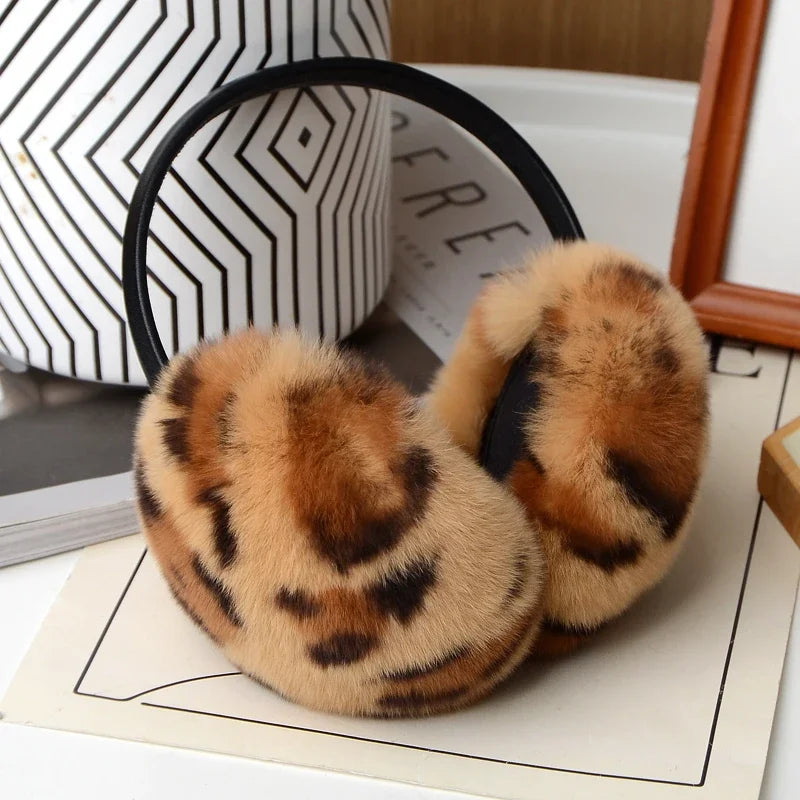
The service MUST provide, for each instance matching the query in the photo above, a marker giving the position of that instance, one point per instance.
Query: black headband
(503, 433)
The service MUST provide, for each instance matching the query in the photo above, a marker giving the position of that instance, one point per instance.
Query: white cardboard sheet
(677, 698)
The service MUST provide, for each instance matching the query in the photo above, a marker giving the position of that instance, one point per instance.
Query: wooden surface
(663, 38)
(720, 128)
(779, 479)
(746, 312)
(709, 191)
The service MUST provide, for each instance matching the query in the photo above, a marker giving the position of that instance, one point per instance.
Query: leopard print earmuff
(363, 553)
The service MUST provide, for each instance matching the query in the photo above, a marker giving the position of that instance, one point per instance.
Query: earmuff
(363, 553)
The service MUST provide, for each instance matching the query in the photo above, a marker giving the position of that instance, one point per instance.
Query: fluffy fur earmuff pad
(616, 445)
(340, 543)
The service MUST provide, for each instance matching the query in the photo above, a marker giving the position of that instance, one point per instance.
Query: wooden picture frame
(709, 192)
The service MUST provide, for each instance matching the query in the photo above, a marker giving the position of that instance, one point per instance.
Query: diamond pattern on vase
(294, 145)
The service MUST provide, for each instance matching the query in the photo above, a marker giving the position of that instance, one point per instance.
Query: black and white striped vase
(275, 213)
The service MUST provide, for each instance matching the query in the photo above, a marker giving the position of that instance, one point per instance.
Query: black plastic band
(450, 101)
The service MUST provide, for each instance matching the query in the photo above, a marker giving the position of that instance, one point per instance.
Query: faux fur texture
(321, 527)
(616, 445)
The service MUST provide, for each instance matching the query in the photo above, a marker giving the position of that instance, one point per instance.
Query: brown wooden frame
(709, 190)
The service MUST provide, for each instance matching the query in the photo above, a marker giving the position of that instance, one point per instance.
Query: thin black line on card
(414, 746)
(546, 767)
(159, 688)
(739, 604)
(76, 690)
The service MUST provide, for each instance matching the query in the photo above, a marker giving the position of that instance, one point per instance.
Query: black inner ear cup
(503, 436)
(454, 103)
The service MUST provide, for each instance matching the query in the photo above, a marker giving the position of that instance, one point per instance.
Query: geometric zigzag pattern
(276, 212)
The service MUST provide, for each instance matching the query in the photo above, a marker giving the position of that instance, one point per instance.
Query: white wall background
(764, 246)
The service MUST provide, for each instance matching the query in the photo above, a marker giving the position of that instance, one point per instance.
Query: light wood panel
(664, 38)
(779, 477)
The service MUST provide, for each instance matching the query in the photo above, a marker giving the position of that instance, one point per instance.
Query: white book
(42, 522)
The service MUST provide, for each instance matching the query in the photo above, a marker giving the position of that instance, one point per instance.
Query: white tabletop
(618, 146)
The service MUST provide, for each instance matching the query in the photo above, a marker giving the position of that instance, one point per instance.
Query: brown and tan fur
(321, 527)
(615, 447)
